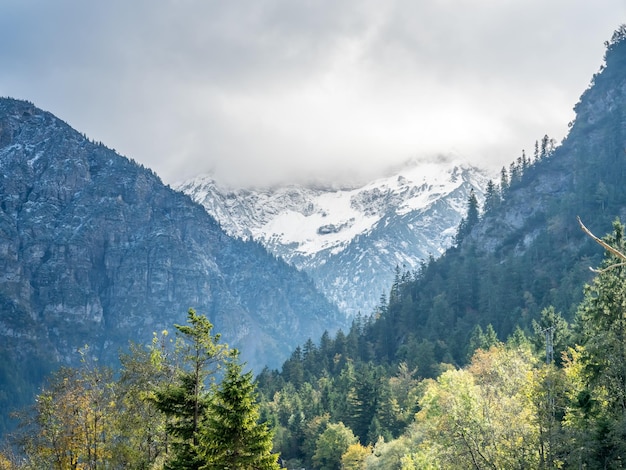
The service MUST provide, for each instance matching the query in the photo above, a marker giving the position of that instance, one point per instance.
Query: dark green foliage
(187, 415)
(233, 438)
(470, 220)
(492, 197)
(185, 401)
(364, 401)
(552, 327)
(480, 339)
(602, 326)
(94, 248)
(513, 268)
(159, 413)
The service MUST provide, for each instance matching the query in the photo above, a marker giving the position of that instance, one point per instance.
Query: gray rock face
(95, 250)
(350, 240)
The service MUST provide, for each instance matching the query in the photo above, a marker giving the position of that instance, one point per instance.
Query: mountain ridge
(349, 239)
(95, 249)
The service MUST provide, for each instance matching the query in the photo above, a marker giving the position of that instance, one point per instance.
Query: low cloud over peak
(261, 91)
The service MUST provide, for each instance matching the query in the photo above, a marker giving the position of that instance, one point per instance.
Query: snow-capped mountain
(349, 240)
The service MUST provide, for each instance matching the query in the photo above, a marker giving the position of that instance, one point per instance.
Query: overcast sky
(262, 90)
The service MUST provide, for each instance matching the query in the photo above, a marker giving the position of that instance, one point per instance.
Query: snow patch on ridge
(349, 239)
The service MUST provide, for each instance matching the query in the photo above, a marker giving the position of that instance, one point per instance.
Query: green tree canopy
(185, 401)
(233, 438)
(331, 445)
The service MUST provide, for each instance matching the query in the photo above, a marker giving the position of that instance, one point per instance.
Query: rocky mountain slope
(526, 256)
(350, 240)
(584, 178)
(95, 250)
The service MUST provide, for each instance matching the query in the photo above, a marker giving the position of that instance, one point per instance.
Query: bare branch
(602, 243)
(600, 271)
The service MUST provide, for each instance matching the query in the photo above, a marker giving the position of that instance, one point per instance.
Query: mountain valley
(350, 240)
(95, 250)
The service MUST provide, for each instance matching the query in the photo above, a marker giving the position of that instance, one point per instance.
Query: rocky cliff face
(584, 176)
(95, 250)
(350, 240)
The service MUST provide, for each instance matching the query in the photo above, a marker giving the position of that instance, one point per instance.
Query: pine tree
(185, 401)
(233, 439)
(364, 400)
(492, 197)
(394, 295)
(468, 222)
(472, 209)
(514, 172)
(552, 331)
(504, 182)
(481, 339)
(545, 147)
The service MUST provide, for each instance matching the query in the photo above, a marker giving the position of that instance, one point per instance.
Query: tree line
(182, 403)
(553, 397)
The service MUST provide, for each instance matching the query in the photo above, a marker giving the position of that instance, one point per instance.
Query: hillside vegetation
(517, 272)
(497, 355)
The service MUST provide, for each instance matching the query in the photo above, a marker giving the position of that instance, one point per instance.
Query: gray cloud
(262, 90)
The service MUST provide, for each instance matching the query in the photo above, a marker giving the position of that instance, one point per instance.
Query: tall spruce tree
(186, 400)
(504, 182)
(468, 222)
(472, 209)
(492, 197)
(233, 438)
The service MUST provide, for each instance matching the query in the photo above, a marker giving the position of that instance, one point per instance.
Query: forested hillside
(95, 249)
(349, 239)
(517, 271)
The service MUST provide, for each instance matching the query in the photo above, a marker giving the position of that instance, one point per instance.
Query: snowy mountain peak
(314, 228)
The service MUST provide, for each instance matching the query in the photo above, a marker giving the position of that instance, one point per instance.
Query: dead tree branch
(606, 246)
